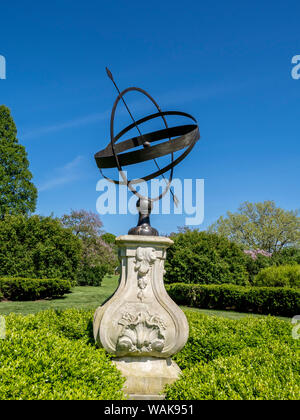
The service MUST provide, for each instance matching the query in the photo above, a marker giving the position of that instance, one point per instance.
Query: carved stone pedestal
(140, 324)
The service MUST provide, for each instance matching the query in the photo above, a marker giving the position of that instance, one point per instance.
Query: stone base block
(146, 377)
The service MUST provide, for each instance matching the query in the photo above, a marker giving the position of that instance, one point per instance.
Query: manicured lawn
(84, 297)
(87, 297)
(230, 314)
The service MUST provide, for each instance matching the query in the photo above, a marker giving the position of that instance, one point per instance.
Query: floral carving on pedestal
(141, 333)
(145, 257)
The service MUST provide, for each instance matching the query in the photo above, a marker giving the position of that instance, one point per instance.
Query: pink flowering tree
(98, 257)
(253, 253)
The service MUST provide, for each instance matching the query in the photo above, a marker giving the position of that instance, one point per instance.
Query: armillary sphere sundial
(140, 325)
(127, 152)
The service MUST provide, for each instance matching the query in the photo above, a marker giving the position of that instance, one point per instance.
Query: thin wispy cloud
(77, 122)
(63, 175)
(175, 97)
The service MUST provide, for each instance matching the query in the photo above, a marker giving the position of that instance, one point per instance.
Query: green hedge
(33, 289)
(253, 374)
(52, 356)
(281, 276)
(262, 300)
(249, 358)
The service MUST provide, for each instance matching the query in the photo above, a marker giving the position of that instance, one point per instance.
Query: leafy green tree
(109, 238)
(260, 226)
(287, 256)
(17, 193)
(200, 257)
(37, 247)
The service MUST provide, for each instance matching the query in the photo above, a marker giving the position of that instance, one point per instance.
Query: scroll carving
(145, 258)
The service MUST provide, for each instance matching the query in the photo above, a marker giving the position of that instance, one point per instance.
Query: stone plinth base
(146, 377)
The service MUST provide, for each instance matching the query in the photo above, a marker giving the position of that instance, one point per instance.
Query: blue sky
(226, 63)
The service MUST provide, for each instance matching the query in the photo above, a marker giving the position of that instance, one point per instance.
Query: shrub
(50, 356)
(287, 256)
(249, 358)
(91, 276)
(263, 300)
(37, 247)
(33, 289)
(253, 266)
(200, 257)
(258, 260)
(283, 275)
(212, 337)
(253, 374)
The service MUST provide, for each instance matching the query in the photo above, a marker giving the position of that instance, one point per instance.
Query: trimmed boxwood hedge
(17, 289)
(262, 300)
(237, 359)
(261, 373)
(52, 356)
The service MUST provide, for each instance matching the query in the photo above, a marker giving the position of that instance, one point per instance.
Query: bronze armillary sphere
(117, 155)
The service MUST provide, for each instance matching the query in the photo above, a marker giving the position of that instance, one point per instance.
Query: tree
(37, 247)
(98, 257)
(17, 193)
(260, 226)
(109, 238)
(84, 224)
(204, 258)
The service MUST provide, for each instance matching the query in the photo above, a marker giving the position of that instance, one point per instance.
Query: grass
(84, 297)
(88, 297)
(229, 314)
